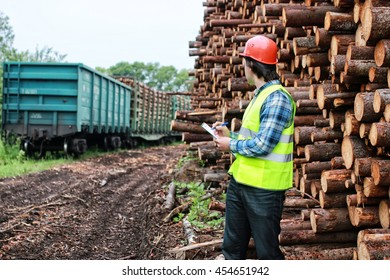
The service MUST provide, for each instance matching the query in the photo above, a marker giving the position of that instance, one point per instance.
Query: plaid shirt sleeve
(275, 115)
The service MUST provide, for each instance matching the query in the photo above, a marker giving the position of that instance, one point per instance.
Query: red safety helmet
(261, 49)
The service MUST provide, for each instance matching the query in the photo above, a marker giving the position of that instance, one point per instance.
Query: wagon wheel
(67, 147)
(27, 147)
(41, 152)
(106, 144)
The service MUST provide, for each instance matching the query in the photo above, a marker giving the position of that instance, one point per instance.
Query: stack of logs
(334, 58)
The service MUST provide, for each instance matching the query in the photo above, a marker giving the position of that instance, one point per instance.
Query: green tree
(164, 78)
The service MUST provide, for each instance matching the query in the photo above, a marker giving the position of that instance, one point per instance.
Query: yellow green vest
(275, 170)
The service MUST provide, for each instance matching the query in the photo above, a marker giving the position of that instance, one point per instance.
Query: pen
(224, 124)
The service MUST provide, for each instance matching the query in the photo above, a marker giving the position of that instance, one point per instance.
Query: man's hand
(223, 134)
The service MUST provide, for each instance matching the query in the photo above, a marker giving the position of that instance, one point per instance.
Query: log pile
(334, 59)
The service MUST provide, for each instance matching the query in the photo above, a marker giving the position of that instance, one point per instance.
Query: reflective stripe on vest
(275, 170)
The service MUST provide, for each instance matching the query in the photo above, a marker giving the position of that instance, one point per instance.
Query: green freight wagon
(63, 106)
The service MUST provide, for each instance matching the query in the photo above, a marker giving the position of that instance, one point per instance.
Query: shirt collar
(267, 84)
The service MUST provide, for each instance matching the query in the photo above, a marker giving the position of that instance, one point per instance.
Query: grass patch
(13, 161)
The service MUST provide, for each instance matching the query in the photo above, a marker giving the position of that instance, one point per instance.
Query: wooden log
(307, 120)
(292, 32)
(339, 22)
(382, 53)
(333, 181)
(328, 101)
(364, 109)
(373, 235)
(376, 23)
(305, 45)
(339, 43)
(372, 190)
(317, 59)
(322, 152)
(380, 134)
(332, 200)
(188, 137)
(186, 127)
(351, 125)
(229, 23)
(364, 130)
(337, 63)
(378, 75)
(297, 16)
(386, 113)
(302, 134)
(207, 118)
(315, 187)
(366, 216)
(374, 250)
(381, 99)
(358, 67)
(384, 213)
(362, 166)
(215, 177)
(318, 252)
(299, 202)
(360, 53)
(353, 147)
(380, 172)
(336, 118)
(287, 225)
(330, 220)
(294, 237)
(205, 153)
(304, 186)
(316, 167)
(170, 198)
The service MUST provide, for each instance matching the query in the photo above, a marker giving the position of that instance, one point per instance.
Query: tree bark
(352, 148)
(339, 22)
(380, 134)
(366, 217)
(333, 181)
(332, 200)
(330, 220)
(372, 190)
(382, 53)
(381, 99)
(364, 109)
(373, 235)
(188, 137)
(384, 213)
(380, 172)
(373, 250)
(322, 152)
(295, 237)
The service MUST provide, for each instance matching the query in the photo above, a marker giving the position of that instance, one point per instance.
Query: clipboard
(209, 129)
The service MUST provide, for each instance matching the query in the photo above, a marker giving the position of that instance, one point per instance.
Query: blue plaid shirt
(275, 115)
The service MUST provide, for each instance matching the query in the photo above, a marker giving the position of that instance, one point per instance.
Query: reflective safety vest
(275, 170)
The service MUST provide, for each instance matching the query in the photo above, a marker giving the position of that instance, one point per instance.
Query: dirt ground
(108, 207)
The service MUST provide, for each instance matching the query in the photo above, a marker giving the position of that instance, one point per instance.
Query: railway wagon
(69, 106)
(152, 111)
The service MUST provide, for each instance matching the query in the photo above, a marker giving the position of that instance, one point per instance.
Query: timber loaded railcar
(69, 107)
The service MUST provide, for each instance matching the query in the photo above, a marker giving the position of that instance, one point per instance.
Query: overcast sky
(102, 33)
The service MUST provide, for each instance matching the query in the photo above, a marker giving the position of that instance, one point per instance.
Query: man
(263, 168)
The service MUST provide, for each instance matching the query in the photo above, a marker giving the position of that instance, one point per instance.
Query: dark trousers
(256, 212)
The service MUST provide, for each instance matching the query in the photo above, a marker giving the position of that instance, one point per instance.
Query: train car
(69, 106)
(152, 112)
